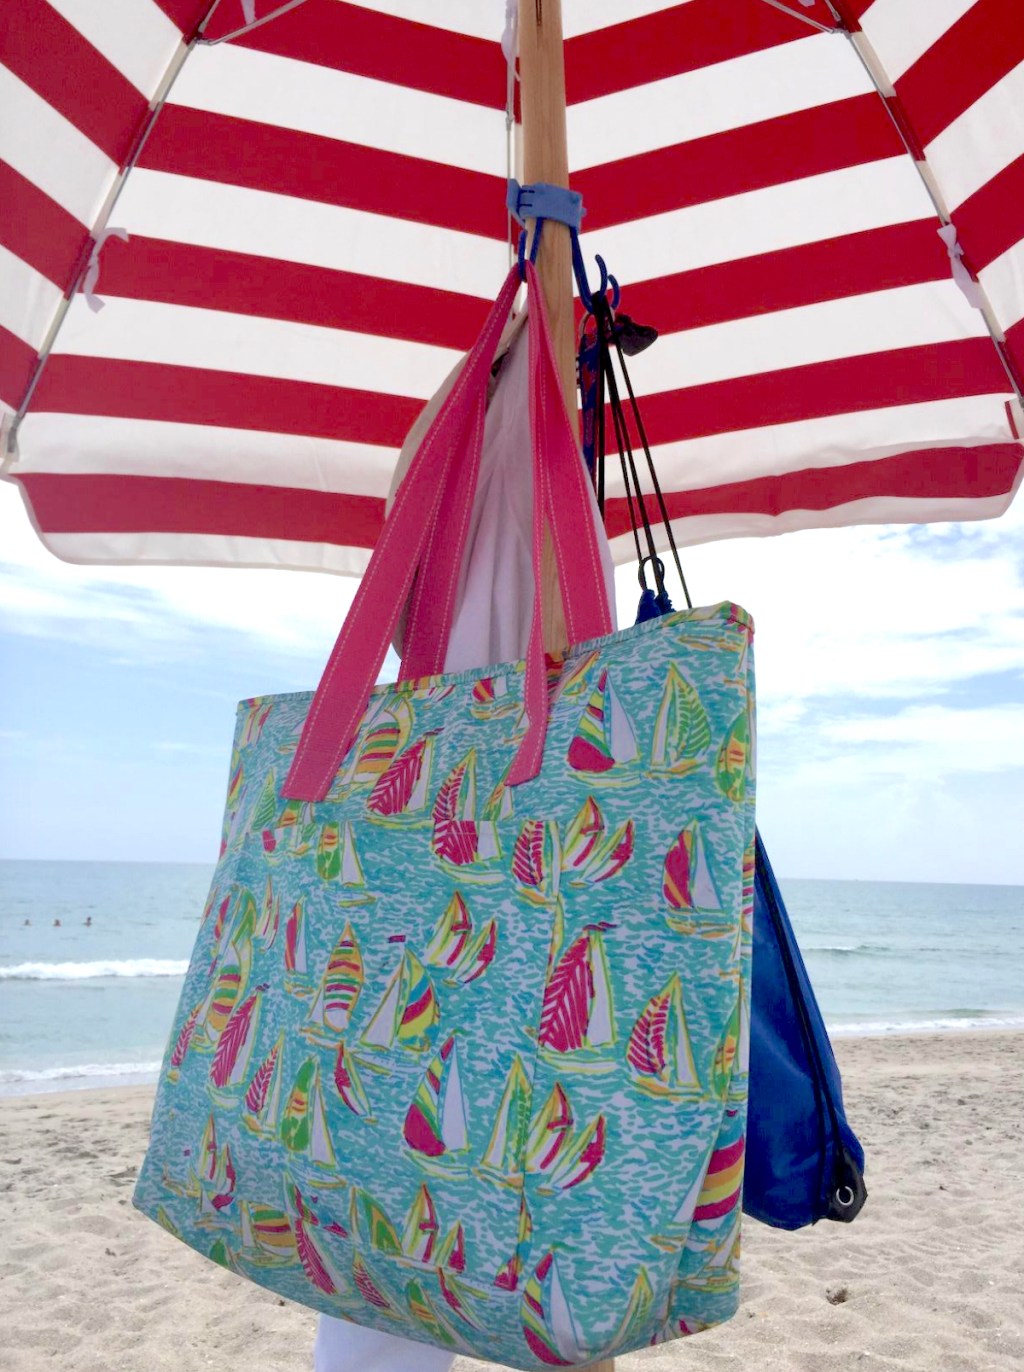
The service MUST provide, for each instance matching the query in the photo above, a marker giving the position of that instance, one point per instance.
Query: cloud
(162, 608)
(875, 612)
(890, 666)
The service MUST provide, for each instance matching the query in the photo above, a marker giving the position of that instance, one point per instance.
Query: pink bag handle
(427, 528)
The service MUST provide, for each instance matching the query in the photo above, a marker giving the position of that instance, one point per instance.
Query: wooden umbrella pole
(546, 158)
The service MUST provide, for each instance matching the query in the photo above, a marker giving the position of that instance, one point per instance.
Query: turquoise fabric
(468, 1063)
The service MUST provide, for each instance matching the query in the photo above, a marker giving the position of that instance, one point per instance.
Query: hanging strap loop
(431, 515)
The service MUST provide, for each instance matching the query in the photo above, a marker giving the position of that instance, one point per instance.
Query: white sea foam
(26, 1081)
(948, 1022)
(87, 971)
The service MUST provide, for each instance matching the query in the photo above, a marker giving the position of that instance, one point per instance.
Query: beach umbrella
(241, 243)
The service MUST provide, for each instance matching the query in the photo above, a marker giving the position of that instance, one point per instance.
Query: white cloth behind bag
(496, 591)
(492, 624)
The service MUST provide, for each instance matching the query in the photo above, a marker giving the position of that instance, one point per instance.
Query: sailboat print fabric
(467, 1062)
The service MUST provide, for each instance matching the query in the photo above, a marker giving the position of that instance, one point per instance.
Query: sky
(890, 666)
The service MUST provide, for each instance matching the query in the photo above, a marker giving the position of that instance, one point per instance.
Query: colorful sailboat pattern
(303, 1127)
(215, 1177)
(296, 964)
(577, 1018)
(400, 794)
(714, 1194)
(435, 1124)
(492, 699)
(660, 1053)
(419, 1238)
(370, 1223)
(557, 1151)
(182, 1042)
(460, 840)
(266, 1233)
(349, 1083)
(339, 990)
(316, 1263)
(263, 1096)
(549, 1326)
(689, 888)
(295, 832)
(235, 1048)
(536, 861)
(590, 855)
(733, 763)
(604, 746)
(369, 1289)
(458, 948)
(682, 730)
(433, 1019)
(508, 1275)
(385, 731)
(269, 921)
(407, 1014)
(502, 1160)
(637, 1319)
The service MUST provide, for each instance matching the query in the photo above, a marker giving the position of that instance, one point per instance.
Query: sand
(930, 1278)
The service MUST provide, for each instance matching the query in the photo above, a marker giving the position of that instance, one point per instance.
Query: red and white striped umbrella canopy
(315, 223)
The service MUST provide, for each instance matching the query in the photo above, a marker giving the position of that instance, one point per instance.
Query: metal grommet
(845, 1197)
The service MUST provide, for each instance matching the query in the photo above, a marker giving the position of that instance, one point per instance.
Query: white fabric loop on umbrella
(8, 438)
(249, 11)
(92, 272)
(510, 38)
(961, 275)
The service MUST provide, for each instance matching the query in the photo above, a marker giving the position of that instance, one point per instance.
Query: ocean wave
(939, 1022)
(22, 1081)
(833, 947)
(12, 1075)
(864, 950)
(87, 971)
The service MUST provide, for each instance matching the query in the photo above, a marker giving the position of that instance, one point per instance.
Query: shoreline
(146, 1075)
(926, 1279)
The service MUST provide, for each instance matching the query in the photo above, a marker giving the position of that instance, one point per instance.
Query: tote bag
(462, 1051)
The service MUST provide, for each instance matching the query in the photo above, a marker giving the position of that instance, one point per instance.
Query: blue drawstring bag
(804, 1162)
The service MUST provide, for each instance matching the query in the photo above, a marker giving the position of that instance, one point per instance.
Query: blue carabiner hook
(606, 281)
(580, 270)
(534, 247)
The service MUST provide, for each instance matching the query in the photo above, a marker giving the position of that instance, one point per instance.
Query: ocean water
(88, 1005)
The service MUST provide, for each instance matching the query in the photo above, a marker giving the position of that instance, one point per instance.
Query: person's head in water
(56, 923)
(88, 921)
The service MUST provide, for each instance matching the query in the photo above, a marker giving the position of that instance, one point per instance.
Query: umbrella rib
(886, 92)
(156, 105)
(256, 24)
(804, 18)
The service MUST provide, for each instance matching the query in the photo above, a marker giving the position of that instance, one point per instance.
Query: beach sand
(930, 1278)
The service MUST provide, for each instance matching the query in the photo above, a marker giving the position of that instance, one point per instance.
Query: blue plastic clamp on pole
(541, 201)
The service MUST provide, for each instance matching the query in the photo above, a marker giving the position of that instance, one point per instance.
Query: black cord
(642, 432)
(604, 322)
